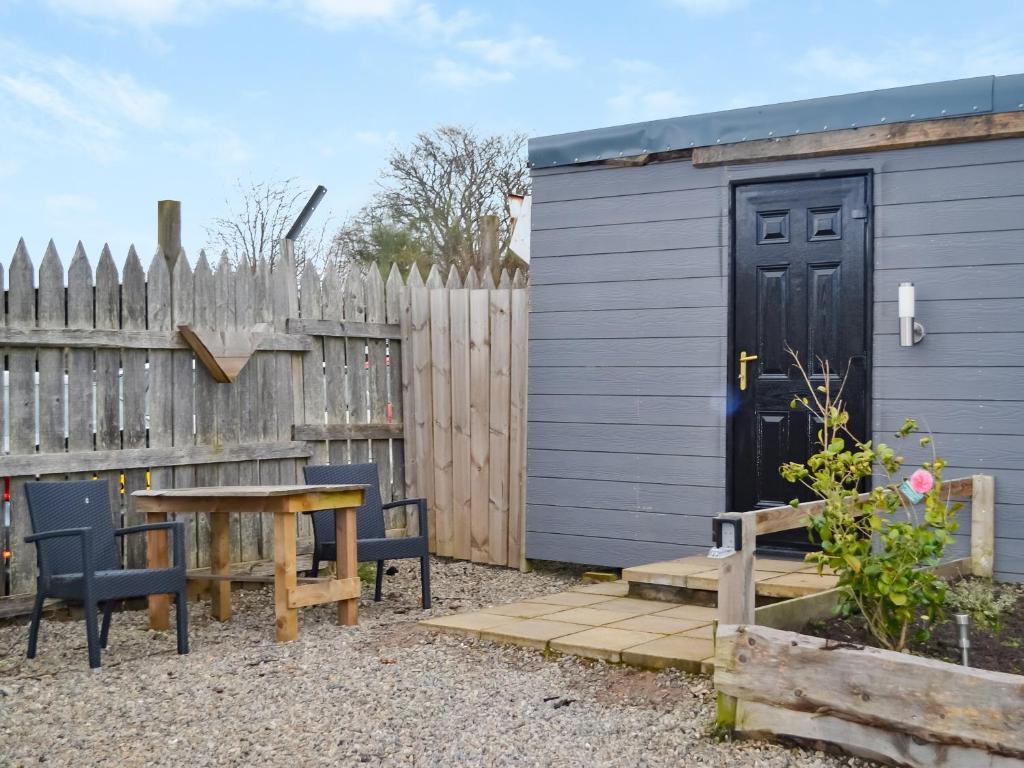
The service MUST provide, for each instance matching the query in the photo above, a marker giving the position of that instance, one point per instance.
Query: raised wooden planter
(893, 707)
(886, 706)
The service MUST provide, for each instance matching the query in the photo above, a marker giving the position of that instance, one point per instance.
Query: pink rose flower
(922, 481)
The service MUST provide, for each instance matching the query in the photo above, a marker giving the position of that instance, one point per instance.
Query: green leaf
(852, 561)
(898, 598)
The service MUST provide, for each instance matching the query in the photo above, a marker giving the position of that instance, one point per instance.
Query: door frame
(732, 370)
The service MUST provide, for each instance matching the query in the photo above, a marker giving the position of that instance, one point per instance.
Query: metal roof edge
(927, 101)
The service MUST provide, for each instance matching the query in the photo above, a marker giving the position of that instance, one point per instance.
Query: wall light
(911, 332)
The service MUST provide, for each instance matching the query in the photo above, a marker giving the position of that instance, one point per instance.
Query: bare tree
(432, 197)
(260, 218)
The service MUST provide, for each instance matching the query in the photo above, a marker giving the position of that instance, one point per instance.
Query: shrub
(983, 599)
(881, 548)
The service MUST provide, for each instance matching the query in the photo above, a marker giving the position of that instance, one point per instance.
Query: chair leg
(33, 630)
(108, 608)
(380, 581)
(425, 580)
(91, 635)
(314, 571)
(181, 614)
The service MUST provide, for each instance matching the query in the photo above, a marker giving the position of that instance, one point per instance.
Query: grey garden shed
(669, 255)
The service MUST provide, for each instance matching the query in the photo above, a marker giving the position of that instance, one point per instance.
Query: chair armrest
(33, 537)
(84, 536)
(177, 528)
(170, 524)
(421, 505)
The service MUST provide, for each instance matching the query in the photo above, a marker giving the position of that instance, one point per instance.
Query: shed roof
(929, 101)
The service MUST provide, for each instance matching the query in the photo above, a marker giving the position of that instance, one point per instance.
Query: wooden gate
(465, 376)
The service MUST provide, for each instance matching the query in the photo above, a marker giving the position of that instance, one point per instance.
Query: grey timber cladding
(629, 336)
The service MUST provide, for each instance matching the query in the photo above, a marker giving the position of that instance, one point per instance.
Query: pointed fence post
(168, 229)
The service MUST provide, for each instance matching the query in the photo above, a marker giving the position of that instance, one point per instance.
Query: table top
(244, 491)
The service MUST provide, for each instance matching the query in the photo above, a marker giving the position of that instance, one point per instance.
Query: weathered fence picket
(427, 380)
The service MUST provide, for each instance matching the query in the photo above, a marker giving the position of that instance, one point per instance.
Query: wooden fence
(465, 376)
(101, 383)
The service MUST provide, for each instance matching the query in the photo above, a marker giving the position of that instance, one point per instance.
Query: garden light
(911, 332)
(963, 642)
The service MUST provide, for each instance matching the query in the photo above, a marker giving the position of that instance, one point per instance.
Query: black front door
(800, 280)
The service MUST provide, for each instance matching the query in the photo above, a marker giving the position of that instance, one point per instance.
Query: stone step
(688, 577)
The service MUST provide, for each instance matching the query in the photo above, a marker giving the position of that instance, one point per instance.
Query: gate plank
(462, 511)
(500, 307)
(480, 426)
(441, 387)
(517, 428)
(420, 417)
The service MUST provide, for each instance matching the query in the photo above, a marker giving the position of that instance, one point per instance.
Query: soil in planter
(1001, 651)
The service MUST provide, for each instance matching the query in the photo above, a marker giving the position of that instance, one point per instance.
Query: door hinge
(859, 213)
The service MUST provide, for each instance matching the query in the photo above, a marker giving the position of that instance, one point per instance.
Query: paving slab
(691, 612)
(658, 624)
(524, 610)
(670, 573)
(468, 624)
(677, 651)
(779, 565)
(633, 606)
(612, 588)
(706, 632)
(571, 599)
(796, 585)
(589, 616)
(601, 642)
(531, 633)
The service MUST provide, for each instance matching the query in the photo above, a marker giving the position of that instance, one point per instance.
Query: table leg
(348, 561)
(285, 577)
(220, 564)
(157, 557)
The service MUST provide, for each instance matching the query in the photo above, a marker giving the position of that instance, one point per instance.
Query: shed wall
(629, 332)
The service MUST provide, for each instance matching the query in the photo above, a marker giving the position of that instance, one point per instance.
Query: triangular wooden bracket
(224, 353)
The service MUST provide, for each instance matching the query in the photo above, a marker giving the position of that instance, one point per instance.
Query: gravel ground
(385, 693)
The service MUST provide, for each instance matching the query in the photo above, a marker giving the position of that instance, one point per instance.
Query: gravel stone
(385, 693)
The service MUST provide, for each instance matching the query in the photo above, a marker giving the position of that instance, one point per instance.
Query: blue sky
(107, 106)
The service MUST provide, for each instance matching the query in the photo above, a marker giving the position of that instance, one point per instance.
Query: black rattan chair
(372, 544)
(77, 555)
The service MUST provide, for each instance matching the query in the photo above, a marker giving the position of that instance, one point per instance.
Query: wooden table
(284, 502)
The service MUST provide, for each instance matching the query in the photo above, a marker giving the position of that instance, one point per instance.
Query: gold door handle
(744, 359)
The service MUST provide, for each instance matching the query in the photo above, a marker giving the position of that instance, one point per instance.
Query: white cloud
(340, 13)
(69, 203)
(519, 51)
(142, 13)
(635, 104)
(910, 61)
(59, 100)
(376, 138)
(644, 92)
(455, 74)
(709, 7)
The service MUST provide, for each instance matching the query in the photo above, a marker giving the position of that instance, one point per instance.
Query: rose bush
(880, 546)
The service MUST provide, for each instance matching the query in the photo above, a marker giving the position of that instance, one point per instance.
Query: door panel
(800, 281)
